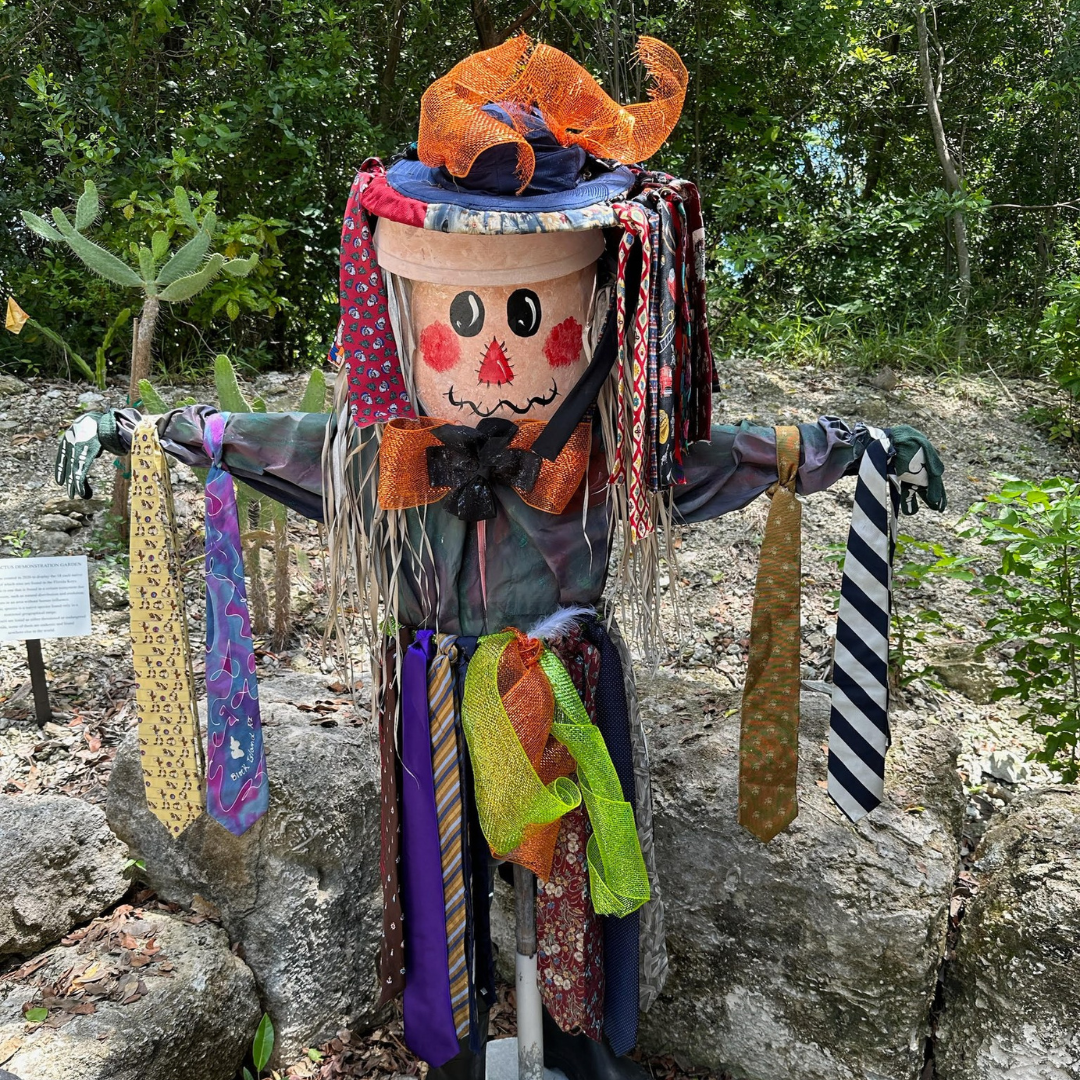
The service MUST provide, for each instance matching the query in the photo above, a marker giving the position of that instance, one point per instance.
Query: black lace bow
(471, 460)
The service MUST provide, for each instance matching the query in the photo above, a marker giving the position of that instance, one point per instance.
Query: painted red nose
(495, 367)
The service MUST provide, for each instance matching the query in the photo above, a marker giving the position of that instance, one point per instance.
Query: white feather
(558, 623)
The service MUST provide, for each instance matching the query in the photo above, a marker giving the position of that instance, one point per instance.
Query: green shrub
(1034, 531)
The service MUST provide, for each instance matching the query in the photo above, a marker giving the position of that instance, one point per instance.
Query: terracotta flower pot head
(498, 323)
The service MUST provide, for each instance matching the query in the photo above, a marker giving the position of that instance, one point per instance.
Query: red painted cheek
(439, 347)
(563, 345)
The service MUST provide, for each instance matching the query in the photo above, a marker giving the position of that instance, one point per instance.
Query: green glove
(79, 448)
(918, 468)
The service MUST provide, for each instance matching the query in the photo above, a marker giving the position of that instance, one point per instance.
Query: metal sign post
(34, 660)
(523, 1058)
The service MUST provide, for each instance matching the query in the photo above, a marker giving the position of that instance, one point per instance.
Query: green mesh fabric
(617, 876)
(512, 799)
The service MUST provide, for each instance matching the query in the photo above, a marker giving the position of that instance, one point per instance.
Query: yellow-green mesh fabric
(511, 797)
(617, 878)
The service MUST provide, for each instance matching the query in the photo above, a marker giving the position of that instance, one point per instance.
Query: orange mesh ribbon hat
(522, 76)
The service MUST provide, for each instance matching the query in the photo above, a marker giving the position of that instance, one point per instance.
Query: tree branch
(953, 180)
(520, 21)
(933, 107)
(1073, 205)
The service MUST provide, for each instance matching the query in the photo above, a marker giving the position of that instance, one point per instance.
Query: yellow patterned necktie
(446, 773)
(169, 742)
(769, 743)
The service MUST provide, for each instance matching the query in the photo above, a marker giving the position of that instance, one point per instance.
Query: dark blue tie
(621, 936)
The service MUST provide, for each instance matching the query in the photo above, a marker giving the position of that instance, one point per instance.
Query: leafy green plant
(107, 539)
(16, 544)
(1059, 337)
(916, 563)
(1034, 531)
(262, 1048)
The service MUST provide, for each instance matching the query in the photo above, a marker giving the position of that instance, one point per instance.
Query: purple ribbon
(429, 1015)
(236, 788)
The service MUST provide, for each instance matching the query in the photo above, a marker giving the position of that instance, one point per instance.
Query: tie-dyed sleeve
(278, 454)
(739, 463)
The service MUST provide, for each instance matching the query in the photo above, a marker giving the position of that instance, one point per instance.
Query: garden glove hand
(79, 448)
(918, 468)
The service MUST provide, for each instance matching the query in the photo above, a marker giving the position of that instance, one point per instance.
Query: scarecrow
(524, 390)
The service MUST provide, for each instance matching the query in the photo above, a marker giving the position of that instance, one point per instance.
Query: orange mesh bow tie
(405, 481)
(455, 131)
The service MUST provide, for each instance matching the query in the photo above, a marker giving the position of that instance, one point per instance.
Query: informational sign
(44, 598)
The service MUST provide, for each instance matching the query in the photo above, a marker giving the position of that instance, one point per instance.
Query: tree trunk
(142, 338)
(875, 156)
(486, 33)
(142, 355)
(393, 55)
(953, 180)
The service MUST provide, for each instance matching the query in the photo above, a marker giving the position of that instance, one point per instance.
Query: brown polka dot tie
(769, 743)
(392, 946)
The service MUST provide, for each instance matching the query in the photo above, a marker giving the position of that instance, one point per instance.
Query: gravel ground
(977, 423)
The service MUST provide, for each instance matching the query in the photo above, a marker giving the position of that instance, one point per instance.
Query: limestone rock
(960, 669)
(299, 892)
(63, 505)
(59, 523)
(814, 957)
(109, 593)
(59, 866)
(195, 1018)
(1012, 998)
(50, 543)
(10, 385)
(45, 543)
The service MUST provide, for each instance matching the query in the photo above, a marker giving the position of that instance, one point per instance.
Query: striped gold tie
(769, 744)
(168, 730)
(446, 770)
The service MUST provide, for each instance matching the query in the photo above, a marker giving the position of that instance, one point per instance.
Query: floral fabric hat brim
(468, 212)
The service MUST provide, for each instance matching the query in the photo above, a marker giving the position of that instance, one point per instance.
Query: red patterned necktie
(569, 934)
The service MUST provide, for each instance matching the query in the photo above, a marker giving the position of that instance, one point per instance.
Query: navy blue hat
(558, 182)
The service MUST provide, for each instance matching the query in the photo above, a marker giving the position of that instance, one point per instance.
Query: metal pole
(42, 709)
(530, 1017)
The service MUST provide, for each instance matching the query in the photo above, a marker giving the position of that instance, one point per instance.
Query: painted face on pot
(508, 351)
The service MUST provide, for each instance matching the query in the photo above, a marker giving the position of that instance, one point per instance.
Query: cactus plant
(174, 280)
(182, 276)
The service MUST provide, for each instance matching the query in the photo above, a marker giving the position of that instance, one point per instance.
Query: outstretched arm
(739, 464)
(278, 454)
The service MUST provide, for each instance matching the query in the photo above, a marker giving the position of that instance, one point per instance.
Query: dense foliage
(1034, 589)
(834, 224)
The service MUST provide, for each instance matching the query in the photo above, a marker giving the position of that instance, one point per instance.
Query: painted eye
(467, 314)
(523, 312)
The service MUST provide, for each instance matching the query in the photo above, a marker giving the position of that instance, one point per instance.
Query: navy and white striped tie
(859, 724)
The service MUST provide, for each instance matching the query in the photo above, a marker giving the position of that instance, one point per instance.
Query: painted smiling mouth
(502, 403)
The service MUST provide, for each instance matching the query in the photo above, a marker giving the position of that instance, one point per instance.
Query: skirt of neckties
(438, 868)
